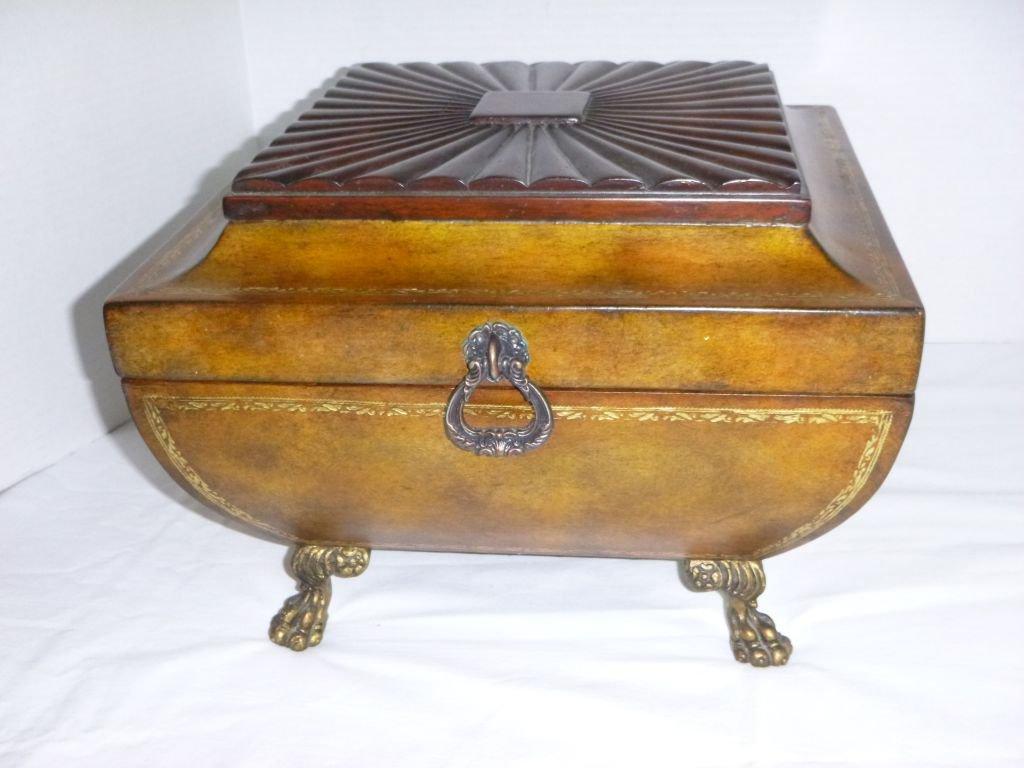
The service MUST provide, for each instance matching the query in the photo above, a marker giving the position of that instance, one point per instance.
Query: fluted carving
(686, 126)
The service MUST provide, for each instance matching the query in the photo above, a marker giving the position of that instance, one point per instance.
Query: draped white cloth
(133, 629)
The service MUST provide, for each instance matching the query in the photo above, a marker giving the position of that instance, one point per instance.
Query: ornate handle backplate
(497, 351)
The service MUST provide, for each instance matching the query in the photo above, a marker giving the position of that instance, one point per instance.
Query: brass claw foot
(300, 622)
(752, 633)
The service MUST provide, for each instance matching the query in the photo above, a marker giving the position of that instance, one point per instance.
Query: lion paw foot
(757, 642)
(300, 622)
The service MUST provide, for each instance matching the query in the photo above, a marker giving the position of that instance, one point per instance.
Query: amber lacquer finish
(631, 306)
(621, 306)
(716, 379)
(661, 475)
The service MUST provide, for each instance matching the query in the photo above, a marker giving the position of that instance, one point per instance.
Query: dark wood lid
(686, 141)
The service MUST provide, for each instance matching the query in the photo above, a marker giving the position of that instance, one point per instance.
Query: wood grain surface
(679, 140)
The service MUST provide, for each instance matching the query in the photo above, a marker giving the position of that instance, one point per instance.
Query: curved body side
(625, 474)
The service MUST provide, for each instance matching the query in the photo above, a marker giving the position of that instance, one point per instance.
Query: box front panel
(624, 474)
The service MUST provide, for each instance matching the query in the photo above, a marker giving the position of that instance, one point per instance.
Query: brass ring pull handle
(497, 351)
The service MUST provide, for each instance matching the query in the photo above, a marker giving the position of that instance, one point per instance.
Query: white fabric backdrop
(133, 629)
(120, 119)
(929, 92)
(117, 121)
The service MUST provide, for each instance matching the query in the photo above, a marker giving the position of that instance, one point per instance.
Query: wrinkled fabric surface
(133, 629)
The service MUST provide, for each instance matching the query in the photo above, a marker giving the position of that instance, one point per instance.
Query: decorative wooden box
(723, 340)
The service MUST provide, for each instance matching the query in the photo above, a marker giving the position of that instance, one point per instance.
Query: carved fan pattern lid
(681, 141)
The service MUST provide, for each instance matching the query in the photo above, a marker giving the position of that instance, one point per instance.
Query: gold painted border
(880, 420)
(622, 294)
(848, 171)
(208, 221)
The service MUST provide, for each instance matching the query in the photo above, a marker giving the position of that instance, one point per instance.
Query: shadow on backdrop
(86, 313)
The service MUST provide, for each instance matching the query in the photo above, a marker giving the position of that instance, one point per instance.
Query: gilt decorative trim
(865, 466)
(623, 294)
(846, 172)
(191, 476)
(879, 420)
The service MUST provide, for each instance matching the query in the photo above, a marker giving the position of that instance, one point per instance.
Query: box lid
(825, 307)
(640, 141)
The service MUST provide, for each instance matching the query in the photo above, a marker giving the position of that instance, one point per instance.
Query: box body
(625, 474)
(723, 383)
